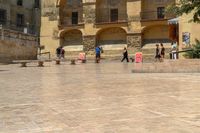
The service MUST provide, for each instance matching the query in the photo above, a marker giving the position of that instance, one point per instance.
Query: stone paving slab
(97, 98)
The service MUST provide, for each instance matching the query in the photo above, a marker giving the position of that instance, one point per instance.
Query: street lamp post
(2, 32)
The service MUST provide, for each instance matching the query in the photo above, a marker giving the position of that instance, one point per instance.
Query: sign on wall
(186, 38)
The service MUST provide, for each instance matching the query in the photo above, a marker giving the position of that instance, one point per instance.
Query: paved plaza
(97, 98)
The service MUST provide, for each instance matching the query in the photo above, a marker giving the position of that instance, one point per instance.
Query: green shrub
(195, 53)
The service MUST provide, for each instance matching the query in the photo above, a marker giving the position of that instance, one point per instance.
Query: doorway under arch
(114, 38)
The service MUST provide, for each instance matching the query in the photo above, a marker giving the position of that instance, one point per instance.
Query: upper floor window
(114, 15)
(37, 3)
(2, 16)
(20, 2)
(74, 17)
(161, 12)
(20, 20)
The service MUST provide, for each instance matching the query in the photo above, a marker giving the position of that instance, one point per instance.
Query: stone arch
(114, 37)
(72, 40)
(155, 34)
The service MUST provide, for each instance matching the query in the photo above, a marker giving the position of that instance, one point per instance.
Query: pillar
(89, 43)
(134, 40)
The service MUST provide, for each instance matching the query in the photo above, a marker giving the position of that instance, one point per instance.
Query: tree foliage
(186, 7)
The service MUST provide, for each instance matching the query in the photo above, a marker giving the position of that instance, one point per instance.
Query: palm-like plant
(195, 52)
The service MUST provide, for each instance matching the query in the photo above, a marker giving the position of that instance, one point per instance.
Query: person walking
(157, 57)
(174, 51)
(98, 54)
(162, 53)
(62, 53)
(125, 55)
(58, 51)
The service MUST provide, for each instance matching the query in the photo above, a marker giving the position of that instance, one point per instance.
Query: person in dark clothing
(62, 53)
(162, 53)
(157, 57)
(98, 54)
(58, 52)
(125, 55)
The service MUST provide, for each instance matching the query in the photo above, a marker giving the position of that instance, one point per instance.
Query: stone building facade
(192, 29)
(112, 24)
(19, 29)
(21, 15)
(16, 45)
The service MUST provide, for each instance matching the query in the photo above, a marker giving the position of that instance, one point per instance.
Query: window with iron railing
(2, 16)
(106, 15)
(20, 20)
(37, 3)
(20, 2)
(114, 15)
(74, 18)
(161, 12)
(157, 15)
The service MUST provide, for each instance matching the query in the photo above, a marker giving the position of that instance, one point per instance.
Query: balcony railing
(70, 24)
(10, 25)
(18, 37)
(108, 18)
(155, 15)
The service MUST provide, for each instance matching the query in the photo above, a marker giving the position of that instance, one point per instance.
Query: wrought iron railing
(18, 37)
(155, 15)
(68, 23)
(10, 25)
(104, 16)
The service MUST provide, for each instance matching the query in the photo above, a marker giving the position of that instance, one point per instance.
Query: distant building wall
(29, 10)
(21, 24)
(49, 26)
(114, 24)
(16, 45)
(190, 27)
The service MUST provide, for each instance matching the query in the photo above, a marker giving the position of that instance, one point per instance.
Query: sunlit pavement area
(97, 98)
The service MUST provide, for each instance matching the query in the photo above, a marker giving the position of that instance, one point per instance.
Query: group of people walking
(60, 52)
(160, 52)
(99, 50)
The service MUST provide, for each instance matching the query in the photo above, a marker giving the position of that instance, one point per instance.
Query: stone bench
(25, 62)
(73, 62)
(58, 61)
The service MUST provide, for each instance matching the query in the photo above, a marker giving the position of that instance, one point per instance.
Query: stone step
(168, 66)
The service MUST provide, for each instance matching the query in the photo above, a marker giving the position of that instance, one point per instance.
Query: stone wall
(188, 27)
(15, 45)
(89, 13)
